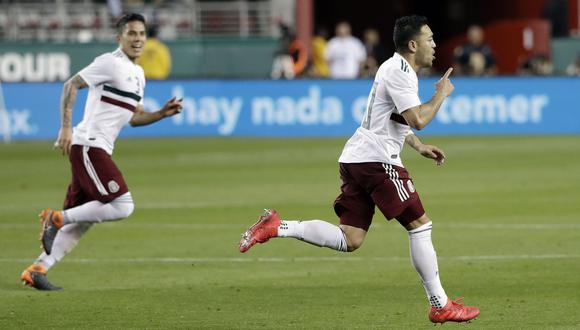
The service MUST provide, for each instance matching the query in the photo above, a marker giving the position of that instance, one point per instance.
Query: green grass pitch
(506, 214)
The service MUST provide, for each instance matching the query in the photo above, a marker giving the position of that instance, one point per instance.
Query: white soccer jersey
(381, 136)
(116, 86)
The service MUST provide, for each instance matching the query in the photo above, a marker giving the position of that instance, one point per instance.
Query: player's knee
(354, 236)
(353, 242)
(129, 208)
(124, 205)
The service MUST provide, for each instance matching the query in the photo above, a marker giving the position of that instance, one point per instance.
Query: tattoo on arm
(68, 99)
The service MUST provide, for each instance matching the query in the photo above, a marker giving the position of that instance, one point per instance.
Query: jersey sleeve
(98, 72)
(402, 89)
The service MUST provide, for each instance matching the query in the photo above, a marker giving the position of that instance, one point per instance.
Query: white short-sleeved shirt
(381, 136)
(344, 55)
(116, 87)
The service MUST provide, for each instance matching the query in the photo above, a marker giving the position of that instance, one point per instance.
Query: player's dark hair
(407, 28)
(123, 20)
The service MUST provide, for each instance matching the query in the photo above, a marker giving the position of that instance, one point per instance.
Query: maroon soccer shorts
(94, 177)
(365, 185)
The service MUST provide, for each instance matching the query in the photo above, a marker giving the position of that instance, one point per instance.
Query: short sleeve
(98, 72)
(403, 91)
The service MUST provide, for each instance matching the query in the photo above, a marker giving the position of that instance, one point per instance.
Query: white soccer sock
(95, 211)
(66, 239)
(316, 232)
(424, 260)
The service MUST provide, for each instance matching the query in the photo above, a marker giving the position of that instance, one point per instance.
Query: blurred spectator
(556, 11)
(474, 58)
(283, 64)
(345, 53)
(376, 53)
(319, 66)
(299, 55)
(291, 57)
(156, 58)
(115, 8)
(573, 69)
(537, 65)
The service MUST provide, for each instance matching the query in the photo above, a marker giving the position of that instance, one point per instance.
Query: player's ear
(412, 46)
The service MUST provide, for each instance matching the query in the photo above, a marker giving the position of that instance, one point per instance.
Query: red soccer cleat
(261, 231)
(454, 312)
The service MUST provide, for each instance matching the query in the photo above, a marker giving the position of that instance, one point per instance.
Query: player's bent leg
(96, 211)
(319, 233)
(414, 224)
(50, 221)
(66, 239)
(354, 236)
(316, 232)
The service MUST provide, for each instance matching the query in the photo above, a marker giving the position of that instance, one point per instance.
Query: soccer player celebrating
(372, 172)
(98, 191)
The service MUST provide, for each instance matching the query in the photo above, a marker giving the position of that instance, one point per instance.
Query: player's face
(133, 39)
(425, 48)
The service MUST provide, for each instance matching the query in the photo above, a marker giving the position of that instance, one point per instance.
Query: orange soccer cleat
(50, 222)
(261, 231)
(35, 276)
(454, 312)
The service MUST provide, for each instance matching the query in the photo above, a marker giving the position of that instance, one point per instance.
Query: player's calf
(354, 237)
(51, 221)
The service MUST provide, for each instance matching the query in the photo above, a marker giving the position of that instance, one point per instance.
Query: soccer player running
(98, 191)
(372, 172)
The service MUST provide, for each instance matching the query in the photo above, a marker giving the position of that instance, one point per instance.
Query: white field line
(219, 226)
(166, 260)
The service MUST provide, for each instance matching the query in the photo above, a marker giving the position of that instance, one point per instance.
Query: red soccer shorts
(94, 177)
(365, 185)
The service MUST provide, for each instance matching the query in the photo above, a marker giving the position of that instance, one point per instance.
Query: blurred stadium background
(506, 203)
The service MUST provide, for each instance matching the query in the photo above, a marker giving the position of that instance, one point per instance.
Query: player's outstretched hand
(64, 140)
(433, 152)
(444, 84)
(172, 107)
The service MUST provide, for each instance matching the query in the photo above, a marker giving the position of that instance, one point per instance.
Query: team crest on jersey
(113, 186)
(410, 186)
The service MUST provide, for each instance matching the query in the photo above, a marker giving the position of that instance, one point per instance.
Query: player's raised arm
(67, 102)
(142, 117)
(420, 116)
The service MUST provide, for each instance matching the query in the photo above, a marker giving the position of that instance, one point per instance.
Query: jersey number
(367, 120)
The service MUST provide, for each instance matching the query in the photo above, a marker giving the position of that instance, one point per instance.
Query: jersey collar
(123, 55)
(404, 59)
